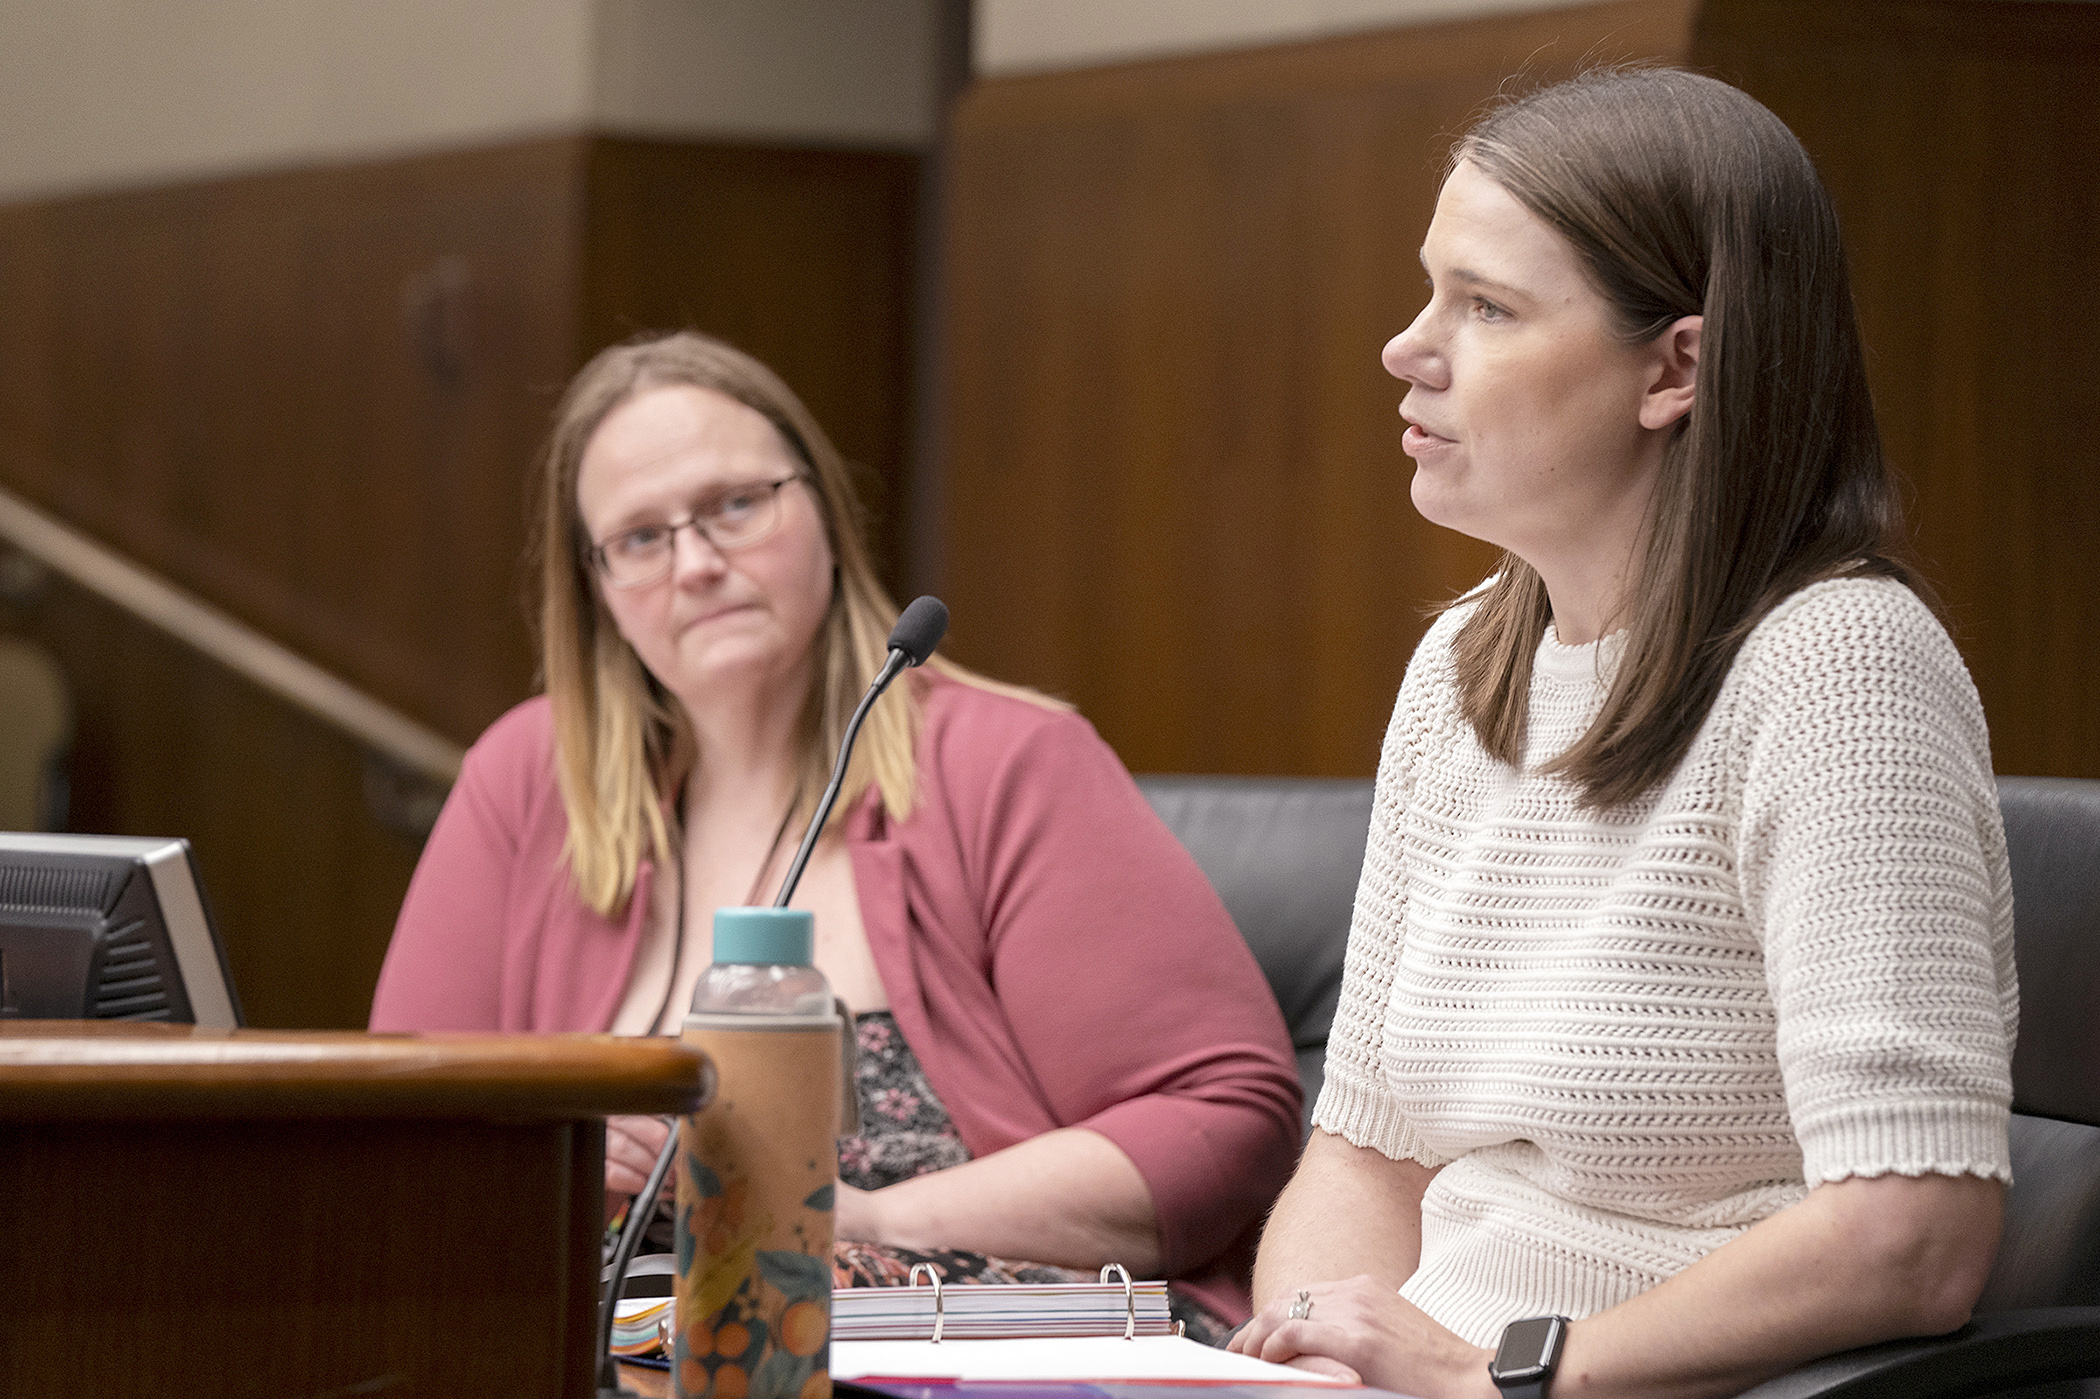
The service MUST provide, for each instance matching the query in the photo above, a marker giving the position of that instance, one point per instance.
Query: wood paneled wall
(314, 398)
(1961, 142)
(1175, 487)
(802, 257)
(303, 882)
(1175, 490)
(309, 398)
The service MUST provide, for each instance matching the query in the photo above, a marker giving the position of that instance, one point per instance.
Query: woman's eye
(1488, 310)
(735, 505)
(639, 541)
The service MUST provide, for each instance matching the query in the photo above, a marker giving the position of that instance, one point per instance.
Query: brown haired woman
(1070, 1057)
(1674, 1049)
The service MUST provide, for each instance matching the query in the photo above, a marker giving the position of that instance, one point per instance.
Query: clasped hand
(1363, 1332)
(632, 1145)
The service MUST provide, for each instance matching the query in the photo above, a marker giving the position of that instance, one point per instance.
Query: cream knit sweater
(1628, 1036)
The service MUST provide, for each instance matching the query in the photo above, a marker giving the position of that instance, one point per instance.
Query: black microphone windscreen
(920, 629)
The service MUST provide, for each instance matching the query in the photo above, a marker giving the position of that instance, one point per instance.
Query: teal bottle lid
(784, 937)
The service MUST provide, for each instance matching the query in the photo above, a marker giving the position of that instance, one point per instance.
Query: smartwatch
(1529, 1354)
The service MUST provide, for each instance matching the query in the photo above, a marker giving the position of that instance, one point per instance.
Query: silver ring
(1302, 1308)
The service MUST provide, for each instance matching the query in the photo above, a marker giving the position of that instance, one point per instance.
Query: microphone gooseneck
(639, 1212)
(912, 640)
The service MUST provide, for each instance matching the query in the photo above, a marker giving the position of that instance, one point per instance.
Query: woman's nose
(694, 555)
(1410, 355)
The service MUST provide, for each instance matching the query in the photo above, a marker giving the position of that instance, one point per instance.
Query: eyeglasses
(738, 517)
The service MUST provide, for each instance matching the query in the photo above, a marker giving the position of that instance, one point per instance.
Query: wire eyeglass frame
(707, 521)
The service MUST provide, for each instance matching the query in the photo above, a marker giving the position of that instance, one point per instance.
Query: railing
(414, 764)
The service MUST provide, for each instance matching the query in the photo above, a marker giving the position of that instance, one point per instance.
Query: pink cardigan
(1051, 953)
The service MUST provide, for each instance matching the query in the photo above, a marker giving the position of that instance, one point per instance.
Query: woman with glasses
(1674, 1046)
(1069, 1057)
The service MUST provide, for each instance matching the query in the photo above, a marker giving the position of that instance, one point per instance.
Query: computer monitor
(108, 928)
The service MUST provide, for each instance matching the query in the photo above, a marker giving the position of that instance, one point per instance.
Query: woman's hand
(1362, 1331)
(631, 1148)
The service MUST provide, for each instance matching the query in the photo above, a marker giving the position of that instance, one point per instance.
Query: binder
(640, 1326)
(935, 1312)
(1067, 1335)
(1001, 1311)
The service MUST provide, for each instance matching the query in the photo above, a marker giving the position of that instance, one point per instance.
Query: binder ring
(939, 1305)
(1129, 1299)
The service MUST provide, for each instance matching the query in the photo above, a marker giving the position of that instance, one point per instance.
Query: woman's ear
(1676, 377)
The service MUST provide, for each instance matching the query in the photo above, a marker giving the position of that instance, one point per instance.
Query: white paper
(1066, 1360)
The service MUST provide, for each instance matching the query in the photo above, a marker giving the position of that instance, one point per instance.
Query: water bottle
(758, 1168)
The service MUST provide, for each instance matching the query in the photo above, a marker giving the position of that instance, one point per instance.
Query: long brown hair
(1683, 196)
(623, 743)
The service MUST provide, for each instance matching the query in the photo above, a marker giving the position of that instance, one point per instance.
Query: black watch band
(1529, 1355)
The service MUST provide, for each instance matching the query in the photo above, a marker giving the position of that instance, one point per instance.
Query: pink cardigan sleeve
(444, 967)
(1130, 994)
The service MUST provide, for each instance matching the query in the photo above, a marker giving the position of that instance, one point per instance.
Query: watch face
(1526, 1346)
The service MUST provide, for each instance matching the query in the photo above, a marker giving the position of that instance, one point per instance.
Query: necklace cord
(758, 881)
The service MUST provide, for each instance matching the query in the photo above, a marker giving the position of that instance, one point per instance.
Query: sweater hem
(1367, 1118)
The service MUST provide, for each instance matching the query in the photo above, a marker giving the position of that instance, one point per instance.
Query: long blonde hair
(623, 743)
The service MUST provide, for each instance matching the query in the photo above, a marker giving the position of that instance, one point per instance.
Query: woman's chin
(736, 670)
(1436, 501)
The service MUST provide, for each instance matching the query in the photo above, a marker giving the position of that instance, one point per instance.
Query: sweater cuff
(1365, 1116)
(1910, 1139)
(1212, 1170)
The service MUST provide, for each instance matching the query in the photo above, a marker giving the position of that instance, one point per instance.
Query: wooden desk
(239, 1213)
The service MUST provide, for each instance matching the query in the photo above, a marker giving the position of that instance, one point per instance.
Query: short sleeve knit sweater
(1627, 1036)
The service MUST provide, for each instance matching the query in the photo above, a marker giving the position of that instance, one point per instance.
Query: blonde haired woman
(1073, 1059)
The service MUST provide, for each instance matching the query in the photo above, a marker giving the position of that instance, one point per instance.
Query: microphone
(918, 631)
(912, 640)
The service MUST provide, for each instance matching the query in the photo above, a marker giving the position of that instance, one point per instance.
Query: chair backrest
(2050, 1253)
(2052, 837)
(1284, 854)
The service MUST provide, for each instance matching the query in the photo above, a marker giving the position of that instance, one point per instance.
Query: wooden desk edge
(71, 1070)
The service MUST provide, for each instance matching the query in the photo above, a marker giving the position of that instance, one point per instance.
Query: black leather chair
(2039, 1317)
(1284, 853)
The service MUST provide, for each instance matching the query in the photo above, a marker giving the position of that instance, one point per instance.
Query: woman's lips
(1417, 440)
(715, 615)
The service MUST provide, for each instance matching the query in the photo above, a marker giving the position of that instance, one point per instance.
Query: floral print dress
(906, 1132)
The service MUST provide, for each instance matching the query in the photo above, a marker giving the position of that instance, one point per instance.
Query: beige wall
(1019, 36)
(96, 94)
(852, 71)
(100, 94)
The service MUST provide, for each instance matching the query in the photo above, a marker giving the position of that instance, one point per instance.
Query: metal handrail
(387, 733)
